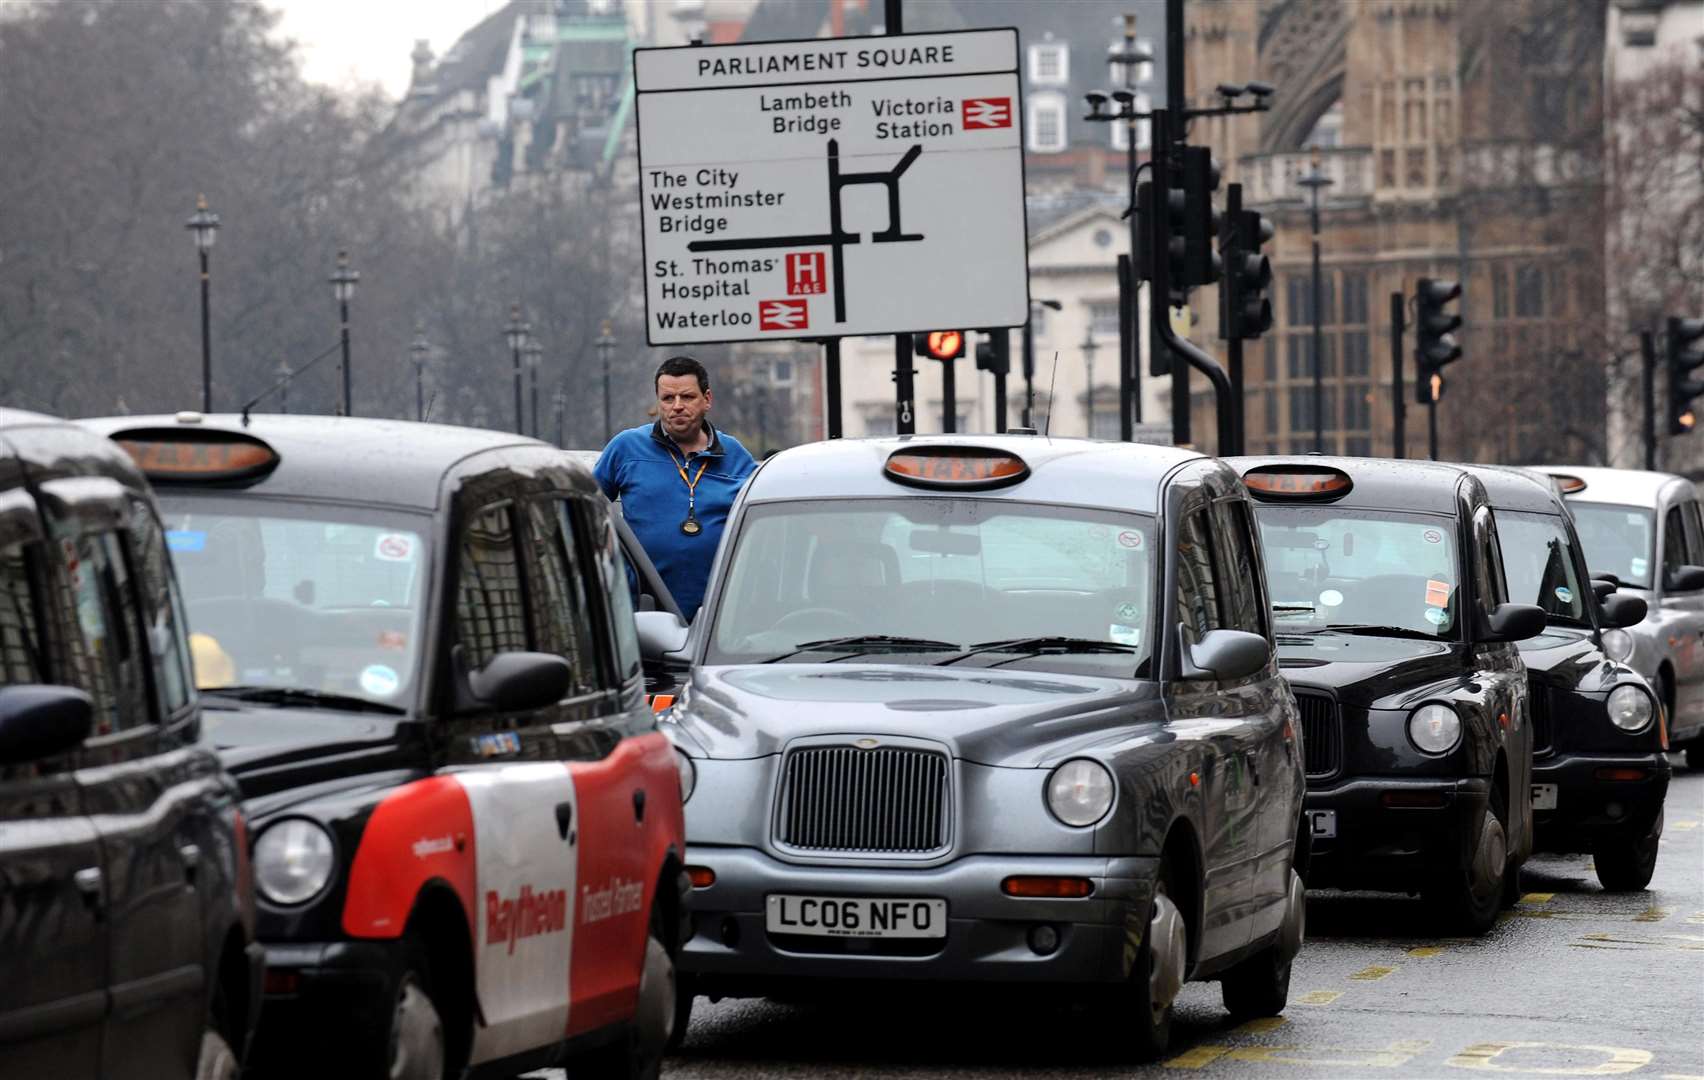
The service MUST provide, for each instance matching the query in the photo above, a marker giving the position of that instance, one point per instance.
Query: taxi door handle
(639, 804)
(191, 855)
(565, 821)
(91, 883)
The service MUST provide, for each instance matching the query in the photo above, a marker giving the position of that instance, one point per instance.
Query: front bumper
(1432, 826)
(731, 952)
(1592, 811)
(332, 999)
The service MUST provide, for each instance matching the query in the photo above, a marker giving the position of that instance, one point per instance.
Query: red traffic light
(940, 344)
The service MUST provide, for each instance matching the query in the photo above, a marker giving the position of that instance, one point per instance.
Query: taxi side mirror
(1622, 610)
(514, 682)
(37, 722)
(1515, 622)
(1225, 656)
(1684, 579)
(660, 633)
(1603, 588)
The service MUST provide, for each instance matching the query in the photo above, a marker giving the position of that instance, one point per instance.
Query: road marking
(1261, 1026)
(1538, 898)
(1372, 972)
(1653, 914)
(1392, 1056)
(1424, 951)
(1319, 997)
(1483, 1056)
(1696, 917)
(1681, 1076)
(1684, 942)
(1197, 1057)
(1683, 824)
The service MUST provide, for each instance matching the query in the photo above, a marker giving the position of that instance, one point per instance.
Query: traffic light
(1245, 312)
(993, 353)
(939, 344)
(1435, 345)
(1201, 262)
(1684, 357)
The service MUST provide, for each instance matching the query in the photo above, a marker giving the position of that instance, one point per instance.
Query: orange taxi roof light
(202, 457)
(1297, 482)
(1569, 485)
(964, 467)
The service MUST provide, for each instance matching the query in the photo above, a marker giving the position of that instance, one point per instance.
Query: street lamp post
(1089, 346)
(1029, 361)
(1315, 181)
(1128, 59)
(559, 400)
(516, 334)
(204, 228)
(418, 350)
(606, 349)
(534, 353)
(343, 282)
(283, 372)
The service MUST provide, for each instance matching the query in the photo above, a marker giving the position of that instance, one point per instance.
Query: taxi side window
(1489, 583)
(161, 609)
(1674, 541)
(1694, 533)
(618, 603)
(105, 656)
(490, 616)
(1198, 578)
(1245, 607)
(20, 636)
(561, 618)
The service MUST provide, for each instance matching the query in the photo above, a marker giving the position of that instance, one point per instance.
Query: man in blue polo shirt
(676, 480)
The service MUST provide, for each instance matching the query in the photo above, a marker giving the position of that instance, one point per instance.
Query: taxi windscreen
(978, 582)
(1538, 562)
(1330, 568)
(300, 597)
(1616, 539)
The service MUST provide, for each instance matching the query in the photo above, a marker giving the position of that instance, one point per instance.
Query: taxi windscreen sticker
(1432, 536)
(378, 680)
(394, 547)
(1437, 593)
(393, 639)
(1565, 594)
(186, 540)
(1436, 616)
(1330, 598)
(1638, 566)
(1130, 539)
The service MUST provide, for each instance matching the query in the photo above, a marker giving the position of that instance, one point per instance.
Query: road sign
(831, 187)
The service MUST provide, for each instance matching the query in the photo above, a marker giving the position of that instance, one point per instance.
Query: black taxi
(418, 654)
(993, 710)
(1599, 773)
(127, 913)
(1397, 631)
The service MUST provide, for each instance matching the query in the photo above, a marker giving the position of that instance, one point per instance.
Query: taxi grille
(883, 800)
(1322, 747)
(1543, 727)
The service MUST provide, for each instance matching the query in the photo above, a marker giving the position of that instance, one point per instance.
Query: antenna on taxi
(1052, 381)
(431, 401)
(282, 383)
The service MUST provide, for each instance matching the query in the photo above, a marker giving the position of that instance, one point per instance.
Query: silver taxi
(990, 709)
(1644, 531)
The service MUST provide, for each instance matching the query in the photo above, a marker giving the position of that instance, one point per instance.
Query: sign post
(829, 187)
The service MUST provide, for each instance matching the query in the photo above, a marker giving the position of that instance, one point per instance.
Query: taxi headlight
(688, 774)
(1434, 728)
(1079, 792)
(293, 861)
(1630, 708)
(1618, 645)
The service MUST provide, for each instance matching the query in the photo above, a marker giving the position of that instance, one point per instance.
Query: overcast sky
(368, 41)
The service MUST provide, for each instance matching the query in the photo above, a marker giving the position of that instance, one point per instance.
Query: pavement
(1572, 982)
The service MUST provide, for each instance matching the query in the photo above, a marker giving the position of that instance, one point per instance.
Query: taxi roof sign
(964, 468)
(1568, 485)
(178, 456)
(1273, 482)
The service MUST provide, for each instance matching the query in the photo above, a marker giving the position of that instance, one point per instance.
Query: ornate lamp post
(343, 282)
(1314, 181)
(606, 349)
(559, 401)
(534, 353)
(418, 350)
(203, 226)
(516, 333)
(1089, 346)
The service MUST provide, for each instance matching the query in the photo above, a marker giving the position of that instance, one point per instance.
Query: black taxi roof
(1116, 475)
(69, 441)
(1377, 483)
(401, 462)
(1510, 488)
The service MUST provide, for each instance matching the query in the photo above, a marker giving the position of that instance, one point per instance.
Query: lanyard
(690, 526)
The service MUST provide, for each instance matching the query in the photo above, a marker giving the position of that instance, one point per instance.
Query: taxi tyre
(216, 1061)
(638, 1053)
(1137, 1027)
(413, 1048)
(1469, 897)
(1695, 754)
(1625, 864)
(684, 997)
(1260, 985)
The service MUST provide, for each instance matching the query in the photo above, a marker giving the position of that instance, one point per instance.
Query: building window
(1103, 319)
(1356, 355)
(1529, 291)
(1050, 64)
(1354, 297)
(1357, 407)
(1105, 419)
(880, 423)
(1387, 168)
(783, 371)
(1416, 168)
(1047, 123)
(1358, 446)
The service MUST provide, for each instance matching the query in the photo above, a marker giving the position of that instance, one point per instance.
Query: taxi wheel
(217, 1062)
(1469, 897)
(1259, 986)
(638, 1054)
(415, 1047)
(1139, 1014)
(1626, 864)
(684, 996)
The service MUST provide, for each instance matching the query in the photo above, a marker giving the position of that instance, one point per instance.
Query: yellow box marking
(1262, 1025)
(1538, 898)
(1393, 1056)
(1319, 997)
(1423, 951)
(1372, 972)
(1197, 1057)
(1653, 914)
(1616, 1060)
(1682, 825)
(1696, 917)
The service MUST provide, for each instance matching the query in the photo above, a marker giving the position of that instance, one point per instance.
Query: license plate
(1544, 796)
(857, 916)
(1323, 823)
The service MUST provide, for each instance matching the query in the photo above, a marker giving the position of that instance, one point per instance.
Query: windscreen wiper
(1371, 630)
(860, 643)
(1038, 645)
(290, 695)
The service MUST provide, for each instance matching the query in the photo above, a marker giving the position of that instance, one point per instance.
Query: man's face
(681, 404)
